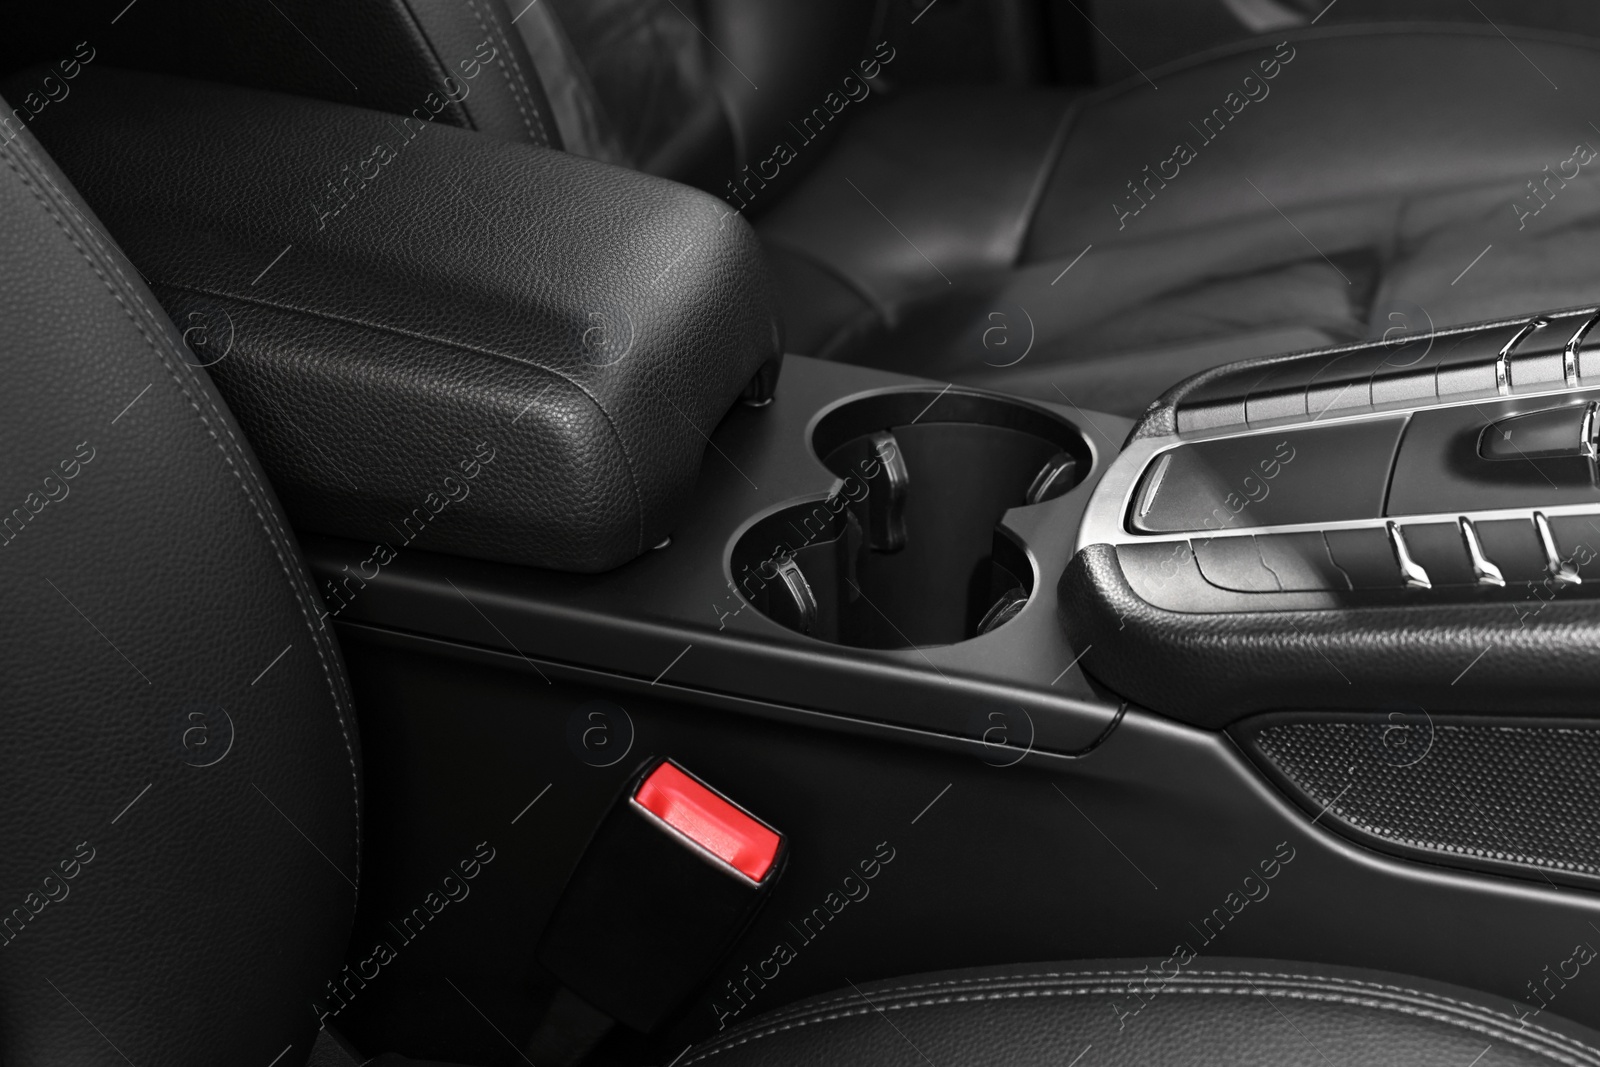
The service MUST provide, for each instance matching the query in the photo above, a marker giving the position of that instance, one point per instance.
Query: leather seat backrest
(460, 62)
(694, 90)
(180, 849)
(697, 91)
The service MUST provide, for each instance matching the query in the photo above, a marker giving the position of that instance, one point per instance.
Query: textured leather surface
(642, 71)
(956, 172)
(1211, 669)
(1502, 795)
(181, 840)
(584, 325)
(1152, 1012)
(689, 89)
(782, 59)
(696, 91)
(1359, 179)
(1394, 156)
(389, 55)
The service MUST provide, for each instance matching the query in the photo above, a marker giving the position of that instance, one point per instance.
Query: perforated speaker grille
(1513, 796)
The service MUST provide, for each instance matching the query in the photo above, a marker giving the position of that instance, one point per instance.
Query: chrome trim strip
(805, 601)
(1569, 355)
(1502, 362)
(1589, 441)
(1158, 474)
(1376, 523)
(1104, 519)
(1410, 569)
(1483, 570)
(1559, 570)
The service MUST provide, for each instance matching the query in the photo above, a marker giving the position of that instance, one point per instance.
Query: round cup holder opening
(906, 550)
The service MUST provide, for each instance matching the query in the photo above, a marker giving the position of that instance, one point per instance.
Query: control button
(1554, 433)
(1563, 568)
(1234, 563)
(1440, 470)
(1410, 571)
(1538, 371)
(1513, 545)
(1344, 385)
(1301, 562)
(708, 819)
(1577, 546)
(1281, 393)
(1164, 574)
(1440, 553)
(1365, 557)
(1406, 375)
(1214, 404)
(1289, 476)
(1483, 570)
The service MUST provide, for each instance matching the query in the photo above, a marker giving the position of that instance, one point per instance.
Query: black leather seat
(1352, 196)
(1150, 1013)
(1346, 183)
(1146, 1013)
(1336, 186)
(1263, 197)
(183, 845)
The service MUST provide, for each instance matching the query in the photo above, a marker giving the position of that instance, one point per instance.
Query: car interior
(653, 533)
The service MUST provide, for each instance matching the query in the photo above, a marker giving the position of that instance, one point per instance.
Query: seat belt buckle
(673, 875)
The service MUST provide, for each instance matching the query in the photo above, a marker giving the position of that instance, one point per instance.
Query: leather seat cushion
(1153, 1013)
(1363, 181)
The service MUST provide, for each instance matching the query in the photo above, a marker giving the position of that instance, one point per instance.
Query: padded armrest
(432, 338)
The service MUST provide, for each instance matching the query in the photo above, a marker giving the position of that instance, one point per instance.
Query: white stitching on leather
(275, 534)
(1477, 1020)
(509, 67)
(1285, 975)
(1586, 1056)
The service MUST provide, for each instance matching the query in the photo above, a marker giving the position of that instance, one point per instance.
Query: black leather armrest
(432, 338)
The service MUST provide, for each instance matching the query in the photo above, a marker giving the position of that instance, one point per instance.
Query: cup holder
(906, 550)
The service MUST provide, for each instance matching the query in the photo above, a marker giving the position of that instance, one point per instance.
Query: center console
(1061, 679)
(1364, 525)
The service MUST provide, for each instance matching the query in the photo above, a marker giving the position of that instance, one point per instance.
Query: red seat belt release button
(672, 878)
(709, 821)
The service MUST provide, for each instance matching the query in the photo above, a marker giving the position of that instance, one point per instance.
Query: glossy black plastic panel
(906, 550)
(1441, 467)
(1338, 472)
(1006, 856)
(677, 617)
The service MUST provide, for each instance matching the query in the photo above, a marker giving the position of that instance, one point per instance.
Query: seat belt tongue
(673, 875)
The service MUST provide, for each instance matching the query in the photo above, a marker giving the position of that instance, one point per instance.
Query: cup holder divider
(908, 551)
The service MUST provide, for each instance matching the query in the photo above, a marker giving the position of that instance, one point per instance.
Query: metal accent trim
(1483, 569)
(1410, 569)
(1559, 569)
(805, 601)
(1502, 362)
(1569, 355)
